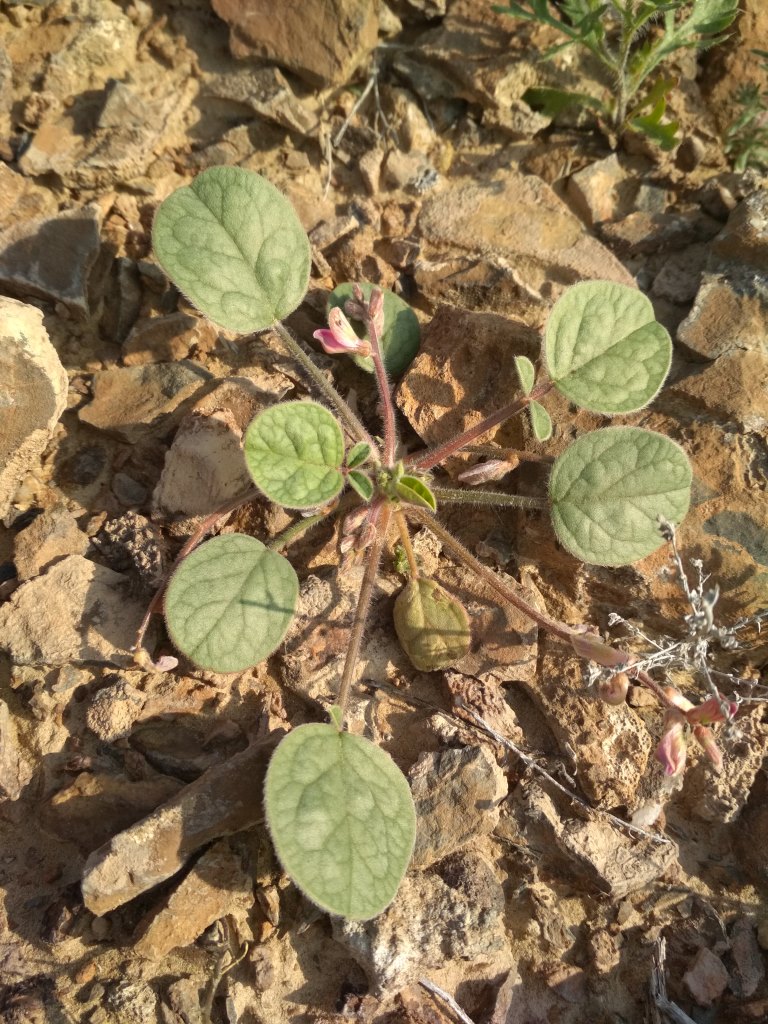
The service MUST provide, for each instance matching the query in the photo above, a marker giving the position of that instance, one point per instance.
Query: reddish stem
(433, 457)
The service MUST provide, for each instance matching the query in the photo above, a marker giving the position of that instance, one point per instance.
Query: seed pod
(432, 626)
(614, 690)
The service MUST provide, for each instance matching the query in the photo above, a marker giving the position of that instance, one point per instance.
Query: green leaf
(358, 454)
(342, 819)
(540, 421)
(432, 626)
(233, 245)
(650, 124)
(230, 603)
(604, 348)
(526, 373)
(416, 492)
(361, 483)
(294, 453)
(400, 337)
(609, 488)
(552, 102)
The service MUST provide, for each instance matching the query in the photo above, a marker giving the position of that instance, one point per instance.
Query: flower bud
(376, 310)
(485, 472)
(711, 711)
(671, 750)
(706, 740)
(615, 689)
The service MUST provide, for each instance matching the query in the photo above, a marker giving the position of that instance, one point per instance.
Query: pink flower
(711, 711)
(340, 337)
(671, 751)
(706, 740)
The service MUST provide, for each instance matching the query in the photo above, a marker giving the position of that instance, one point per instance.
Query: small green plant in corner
(629, 40)
(339, 811)
(746, 141)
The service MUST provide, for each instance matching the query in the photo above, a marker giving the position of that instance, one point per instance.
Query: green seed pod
(432, 626)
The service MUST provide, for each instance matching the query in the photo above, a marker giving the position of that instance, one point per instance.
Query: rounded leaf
(230, 603)
(342, 819)
(609, 488)
(526, 373)
(233, 244)
(432, 626)
(361, 483)
(415, 492)
(358, 454)
(604, 348)
(294, 452)
(400, 337)
(541, 421)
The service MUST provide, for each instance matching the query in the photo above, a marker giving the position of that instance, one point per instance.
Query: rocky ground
(122, 413)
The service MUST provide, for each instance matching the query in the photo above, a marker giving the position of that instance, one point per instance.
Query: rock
(132, 1002)
(204, 467)
(131, 544)
(706, 978)
(508, 234)
(457, 795)
(50, 537)
(606, 858)
(610, 745)
(128, 491)
(723, 797)
(11, 776)
(88, 811)
(456, 914)
(183, 1003)
(120, 144)
(642, 233)
(463, 372)
(225, 800)
(21, 199)
(322, 41)
(680, 276)
(78, 611)
(732, 390)
(113, 710)
(165, 339)
(138, 402)
(34, 388)
(606, 190)
(52, 258)
(267, 93)
(748, 963)
(411, 171)
(216, 887)
(732, 304)
(97, 46)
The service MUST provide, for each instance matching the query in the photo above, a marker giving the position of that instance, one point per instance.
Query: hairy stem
(363, 607)
(298, 529)
(497, 452)
(458, 496)
(405, 538)
(326, 389)
(385, 394)
(558, 629)
(433, 457)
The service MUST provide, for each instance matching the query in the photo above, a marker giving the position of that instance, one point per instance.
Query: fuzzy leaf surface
(342, 819)
(604, 348)
(526, 373)
(361, 483)
(358, 454)
(230, 603)
(294, 452)
(432, 626)
(416, 492)
(233, 244)
(400, 337)
(541, 422)
(608, 489)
